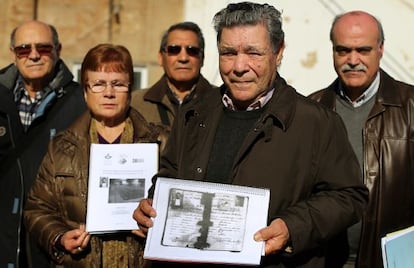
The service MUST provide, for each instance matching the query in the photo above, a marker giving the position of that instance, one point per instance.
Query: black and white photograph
(126, 190)
(205, 221)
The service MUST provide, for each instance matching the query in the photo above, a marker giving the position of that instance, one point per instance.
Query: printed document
(119, 177)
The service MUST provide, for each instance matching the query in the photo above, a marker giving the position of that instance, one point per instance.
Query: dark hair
(248, 13)
(108, 58)
(184, 26)
(381, 37)
(55, 36)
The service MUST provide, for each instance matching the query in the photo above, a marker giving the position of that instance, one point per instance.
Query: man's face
(247, 62)
(356, 51)
(182, 66)
(38, 64)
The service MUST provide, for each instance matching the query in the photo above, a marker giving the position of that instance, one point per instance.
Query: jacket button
(199, 170)
(2, 131)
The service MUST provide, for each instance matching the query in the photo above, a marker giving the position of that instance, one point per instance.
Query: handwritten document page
(206, 222)
(119, 177)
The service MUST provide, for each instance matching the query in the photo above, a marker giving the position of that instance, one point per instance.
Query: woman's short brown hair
(108, 58)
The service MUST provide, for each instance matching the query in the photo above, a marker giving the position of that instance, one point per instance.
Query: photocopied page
(206, 222)
(191, 214)
(119, 177)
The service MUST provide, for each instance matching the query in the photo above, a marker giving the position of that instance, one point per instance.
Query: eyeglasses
(100, 85)
(174, 50)
(24, 50)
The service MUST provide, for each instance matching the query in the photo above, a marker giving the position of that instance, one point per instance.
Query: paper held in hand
(119, 177)
(207, 222)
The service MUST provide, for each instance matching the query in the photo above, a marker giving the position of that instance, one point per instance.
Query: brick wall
(136, 24)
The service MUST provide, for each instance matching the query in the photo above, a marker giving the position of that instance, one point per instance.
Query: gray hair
(55, 36)
(381, 37)
(248, 13)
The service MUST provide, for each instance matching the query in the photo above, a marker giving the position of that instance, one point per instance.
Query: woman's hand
(75, 241)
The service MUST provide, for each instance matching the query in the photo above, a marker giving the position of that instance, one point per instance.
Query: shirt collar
(261, 102)
(176, 96)
(366, 96)
(19, 90)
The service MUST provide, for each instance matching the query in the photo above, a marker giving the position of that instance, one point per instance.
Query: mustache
(360, 67)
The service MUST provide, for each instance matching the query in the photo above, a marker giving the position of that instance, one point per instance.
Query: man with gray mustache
(378, 112)
(349, 67)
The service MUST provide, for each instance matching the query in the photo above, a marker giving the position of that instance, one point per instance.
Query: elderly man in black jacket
(38, 98)
(256, 130)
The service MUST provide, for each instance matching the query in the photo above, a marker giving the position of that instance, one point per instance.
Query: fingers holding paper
(142, 215)
(76, 240)
(276, 236)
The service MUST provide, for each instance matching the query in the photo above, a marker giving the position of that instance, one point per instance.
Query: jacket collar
(159, 90)
(282, 105)
(385, 95)
(280, 111)
(79, 130)
(62, 77)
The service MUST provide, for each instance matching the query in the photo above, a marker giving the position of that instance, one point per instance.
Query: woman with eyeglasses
(56, 208)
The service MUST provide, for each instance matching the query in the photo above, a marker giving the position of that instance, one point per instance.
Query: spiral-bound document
(207, 222)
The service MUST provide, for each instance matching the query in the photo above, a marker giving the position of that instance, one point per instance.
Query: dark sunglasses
(174, 50)
(24, 50)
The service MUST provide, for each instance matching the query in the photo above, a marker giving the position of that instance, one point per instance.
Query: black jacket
(298, 149)
(22, 152)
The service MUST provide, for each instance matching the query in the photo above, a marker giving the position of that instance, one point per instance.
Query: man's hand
(276, 236)
(142, 215)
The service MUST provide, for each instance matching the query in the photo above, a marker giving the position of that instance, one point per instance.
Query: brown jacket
(298, 149)
(388, 163)
(149, 101)
(57, 200)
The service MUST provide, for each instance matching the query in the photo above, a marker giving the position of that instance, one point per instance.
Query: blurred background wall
(139, 24)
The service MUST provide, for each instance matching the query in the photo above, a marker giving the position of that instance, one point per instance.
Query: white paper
(207, 222)
(119, 177)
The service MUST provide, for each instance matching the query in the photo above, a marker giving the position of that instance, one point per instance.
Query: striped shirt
(261, 102)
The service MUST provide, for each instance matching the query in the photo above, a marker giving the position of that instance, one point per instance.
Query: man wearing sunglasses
(38, 98)
(181, 55)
